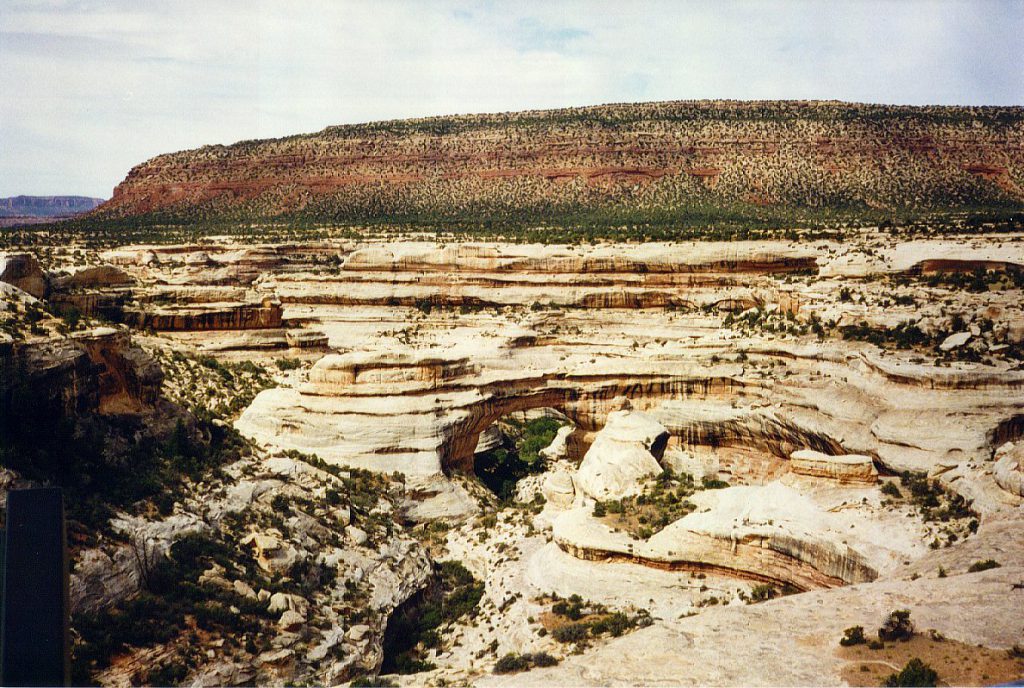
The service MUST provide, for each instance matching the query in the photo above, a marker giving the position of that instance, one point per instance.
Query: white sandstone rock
(621, 456)
(357, 535)
(559, 489)
(845, 468)
(244, 589)
(358, 632)
(1009, 468)
(955, 340)
(291, 621)
(558, 447)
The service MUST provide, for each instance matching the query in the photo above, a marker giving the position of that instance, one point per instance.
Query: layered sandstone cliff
(646, 162)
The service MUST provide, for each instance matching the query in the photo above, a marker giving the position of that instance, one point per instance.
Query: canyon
(657, 393)
(759, 444)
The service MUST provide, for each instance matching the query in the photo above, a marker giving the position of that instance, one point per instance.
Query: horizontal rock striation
(243, 316)
(726, 275)
(726, 537)
(654, 160)
(847, 468)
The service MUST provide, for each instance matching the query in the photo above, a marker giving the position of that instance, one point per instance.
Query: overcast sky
(92, 88)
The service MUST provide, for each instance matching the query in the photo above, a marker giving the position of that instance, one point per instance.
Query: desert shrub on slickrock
(915, 673)
(897, 626)
(983, 565)
(513, 663)
(853, 636)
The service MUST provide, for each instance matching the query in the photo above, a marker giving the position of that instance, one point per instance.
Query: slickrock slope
(653, 162)
(834, 423)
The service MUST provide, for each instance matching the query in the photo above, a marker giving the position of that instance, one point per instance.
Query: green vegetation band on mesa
(650, 171)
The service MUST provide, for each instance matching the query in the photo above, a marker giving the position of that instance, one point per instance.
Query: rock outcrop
(623, 455)
(229, 316)
(770, 534)
(781, 376)
(1009, 468)
(23, 271)
(851, 468)
(94, 370)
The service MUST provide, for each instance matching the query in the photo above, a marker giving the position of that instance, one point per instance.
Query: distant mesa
(35, 209)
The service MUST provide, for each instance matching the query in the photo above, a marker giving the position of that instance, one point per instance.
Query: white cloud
(94, 88)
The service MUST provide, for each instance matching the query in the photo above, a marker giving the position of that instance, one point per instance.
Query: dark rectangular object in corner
(35, 605)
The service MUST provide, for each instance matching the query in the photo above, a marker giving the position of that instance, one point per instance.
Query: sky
(91, 89)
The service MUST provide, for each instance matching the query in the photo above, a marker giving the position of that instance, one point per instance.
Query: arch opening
(517, 445)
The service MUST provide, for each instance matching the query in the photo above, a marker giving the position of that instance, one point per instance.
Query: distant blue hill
(46, 206)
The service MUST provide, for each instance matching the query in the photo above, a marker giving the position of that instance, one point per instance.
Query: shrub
(599, 510)
(372, 682)
(897, 627)
(541, 659)
(876, 645)
(511, 663)
(762, 592)
(571, 633)
(983, 565)
(853, 636)
(168, 675)
(915, 673)
(891, 490)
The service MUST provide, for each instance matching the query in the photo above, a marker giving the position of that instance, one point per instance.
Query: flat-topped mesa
(648, 162)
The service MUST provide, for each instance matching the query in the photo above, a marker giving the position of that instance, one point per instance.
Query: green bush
(511, 663)
(571, 633)
(853, 636)
(897, 626)
(540, 659)
(891, 490)
(983, 565)
(915, 673)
